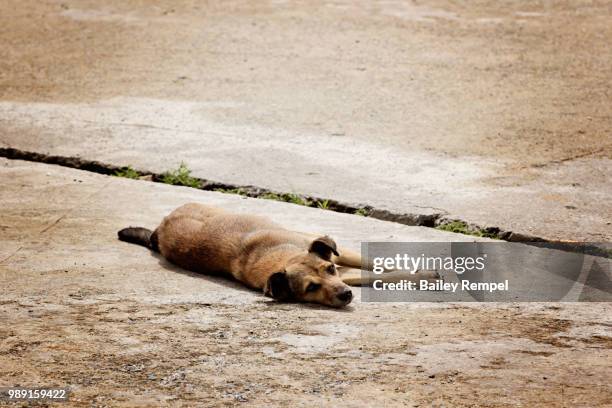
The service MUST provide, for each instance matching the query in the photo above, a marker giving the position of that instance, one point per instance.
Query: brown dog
(287, 265)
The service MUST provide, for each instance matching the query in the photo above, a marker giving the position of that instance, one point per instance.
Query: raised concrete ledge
(564, 200)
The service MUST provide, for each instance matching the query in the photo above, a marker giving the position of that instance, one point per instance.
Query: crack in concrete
(570, 158)
(146, 126)
(11, 255)
(423, 220)
(85, 201)
(53, 224)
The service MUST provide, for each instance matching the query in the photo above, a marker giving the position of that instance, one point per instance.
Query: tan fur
(261, 254)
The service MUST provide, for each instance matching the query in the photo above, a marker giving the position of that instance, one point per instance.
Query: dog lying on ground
(286, 265)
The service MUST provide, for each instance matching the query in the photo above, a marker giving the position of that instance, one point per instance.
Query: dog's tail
(139, 236)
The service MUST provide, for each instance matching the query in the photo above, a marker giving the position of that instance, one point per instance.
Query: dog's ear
(324, 247)
(278, 286)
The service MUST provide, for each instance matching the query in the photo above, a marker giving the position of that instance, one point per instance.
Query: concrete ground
(498, 115)
(122, 327)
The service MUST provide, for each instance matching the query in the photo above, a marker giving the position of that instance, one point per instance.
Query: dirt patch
(115, 352)
(543, 330)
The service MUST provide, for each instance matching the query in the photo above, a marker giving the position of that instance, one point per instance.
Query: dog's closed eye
(313, 287)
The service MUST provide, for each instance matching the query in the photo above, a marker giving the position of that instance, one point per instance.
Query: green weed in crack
(461, 227)
(181, 177)
(127, 172)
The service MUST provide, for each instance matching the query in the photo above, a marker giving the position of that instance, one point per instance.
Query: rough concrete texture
(123, 328)
(499, 116)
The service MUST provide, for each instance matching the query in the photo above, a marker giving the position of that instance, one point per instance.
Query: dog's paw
(400, 275)
(429, 275)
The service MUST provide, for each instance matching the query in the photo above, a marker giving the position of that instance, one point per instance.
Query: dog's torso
(212, 241)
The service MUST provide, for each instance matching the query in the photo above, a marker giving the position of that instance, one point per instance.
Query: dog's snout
(345, 295)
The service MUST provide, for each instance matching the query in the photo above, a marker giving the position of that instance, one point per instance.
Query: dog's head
(311, 277)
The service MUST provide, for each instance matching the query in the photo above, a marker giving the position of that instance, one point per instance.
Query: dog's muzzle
(345, 296)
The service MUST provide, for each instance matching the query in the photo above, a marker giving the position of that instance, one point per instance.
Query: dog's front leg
(358, 277)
